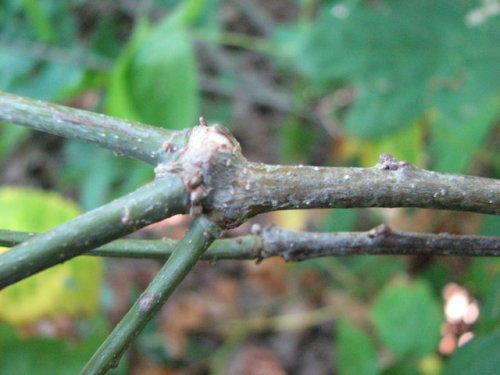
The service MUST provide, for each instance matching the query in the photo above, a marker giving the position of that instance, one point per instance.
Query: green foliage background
(423, 76)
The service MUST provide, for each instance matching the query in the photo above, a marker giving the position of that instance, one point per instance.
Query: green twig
(121, 136)
(199, 237)
(242, 247)
(292, 246)
(157, 200)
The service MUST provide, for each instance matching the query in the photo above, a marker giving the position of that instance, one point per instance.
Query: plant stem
(243, 247)
(381, 240)
(293, 246)
(198, 238)
(403, 185)
(157, 200)
(241, 189)
(121, 136)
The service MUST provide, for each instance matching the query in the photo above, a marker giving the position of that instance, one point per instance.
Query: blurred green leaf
(296, 140)
(155, 80)
(437, 274)
(49, 356)
(383, 107)
(208, 16)
(29, 20)
(407, 318)
(489, 318)
(356, 352)
(404, 58)
(52, 81)
(71, 288)
(483, 281)
(105, 38)
(10, 137)
(101, 175)
(481, 275)
(28, 64)
(478, 356)
(490, 225)
(375, 270)
(402, 368)
(118, 99)
(164, 79)
(455, 139)
(189, 11)
(405, 144)
(340, 220)
(289, 39)
(39, 19)
(13, 67)
(24, 75)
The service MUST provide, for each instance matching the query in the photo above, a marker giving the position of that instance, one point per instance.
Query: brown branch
(382, 240)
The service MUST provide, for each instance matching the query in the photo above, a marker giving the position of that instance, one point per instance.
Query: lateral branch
(230, 189)
(273, 241)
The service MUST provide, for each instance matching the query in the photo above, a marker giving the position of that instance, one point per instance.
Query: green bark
(198, 238)
(155, 201)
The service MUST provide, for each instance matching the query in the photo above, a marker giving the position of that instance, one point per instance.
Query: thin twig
(294, 246)
(382, 240)
(121, 136)
(155, 201)
(243, 247)
(199, 237)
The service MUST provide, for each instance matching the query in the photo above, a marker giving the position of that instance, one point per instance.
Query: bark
(153, 202)
(295, 246)
(199, 237)
(121, 136)
(240, 189)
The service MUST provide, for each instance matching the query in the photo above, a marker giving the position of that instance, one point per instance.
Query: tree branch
(187, 252)
(155, 201)
(236, 189)
(240, 189)
(121, 136)
(294, 246)
(242, 247)
(381, 240)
